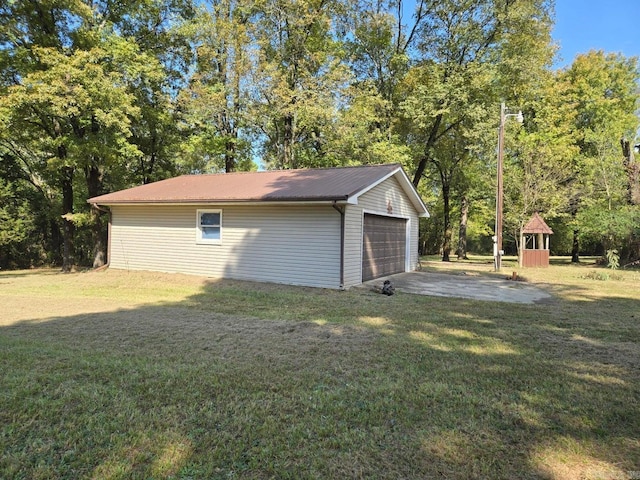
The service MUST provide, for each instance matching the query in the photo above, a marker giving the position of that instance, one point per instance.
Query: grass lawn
(119, 375)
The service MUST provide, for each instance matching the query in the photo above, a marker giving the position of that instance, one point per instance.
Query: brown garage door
(383, 246)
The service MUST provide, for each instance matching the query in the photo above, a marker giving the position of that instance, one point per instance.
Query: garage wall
(377, 201)
(298, 245)
(353, 245)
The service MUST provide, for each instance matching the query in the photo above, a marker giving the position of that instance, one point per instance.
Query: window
(209, 223)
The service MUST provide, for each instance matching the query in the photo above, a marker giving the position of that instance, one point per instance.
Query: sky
(609, 25)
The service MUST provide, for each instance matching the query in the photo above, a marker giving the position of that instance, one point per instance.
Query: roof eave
(169, 202)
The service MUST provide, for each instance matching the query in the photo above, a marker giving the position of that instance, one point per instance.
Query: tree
(300, 78)
(466, 59)
(86, 101)
(360, 133)
(77, 112)
(540, 163)
(633, 171)
(444, 117)
(381, 45)
(604, 90)
(24, 209)
(475, 197)
(164, 48)
(461, 44)
(216, 101)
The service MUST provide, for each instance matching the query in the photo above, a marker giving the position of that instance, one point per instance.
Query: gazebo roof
(536, 225)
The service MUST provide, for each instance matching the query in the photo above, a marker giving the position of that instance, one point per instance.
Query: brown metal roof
(330, 184)
(537, 225)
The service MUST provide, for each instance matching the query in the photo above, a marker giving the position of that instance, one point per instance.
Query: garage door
(383, 246)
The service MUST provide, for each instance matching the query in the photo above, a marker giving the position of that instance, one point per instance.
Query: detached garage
(331, 228)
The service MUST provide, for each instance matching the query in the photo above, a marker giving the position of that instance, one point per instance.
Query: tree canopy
(99, 96)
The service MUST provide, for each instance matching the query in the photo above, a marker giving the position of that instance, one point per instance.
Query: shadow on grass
(6, 275)
(248, 380)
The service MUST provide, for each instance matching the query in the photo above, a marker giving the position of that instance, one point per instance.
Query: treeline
(101, 95)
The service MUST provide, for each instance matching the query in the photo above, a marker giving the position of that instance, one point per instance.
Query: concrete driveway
(475, 287)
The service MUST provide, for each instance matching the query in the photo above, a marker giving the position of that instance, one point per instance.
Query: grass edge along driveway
(113, 374)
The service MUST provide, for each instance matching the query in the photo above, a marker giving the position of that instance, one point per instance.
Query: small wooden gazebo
(535, 243)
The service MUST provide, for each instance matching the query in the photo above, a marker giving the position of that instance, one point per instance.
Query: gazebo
(534, 243)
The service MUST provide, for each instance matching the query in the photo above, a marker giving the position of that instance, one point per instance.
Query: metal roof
(537, 225)
(343, 184)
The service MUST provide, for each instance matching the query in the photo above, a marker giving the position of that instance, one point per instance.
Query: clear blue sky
(609, 25)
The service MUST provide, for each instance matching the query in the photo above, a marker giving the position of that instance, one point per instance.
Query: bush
(613, 259)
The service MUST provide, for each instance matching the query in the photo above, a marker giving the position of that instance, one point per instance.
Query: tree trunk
(462, 232)
(422, 165)
(448, 231)
(54, 241)
(288, 160)
(521, 246)
(147, 166)
(93, 177)
(230, 156)
(147, 171)
(98, 233)
(575, 249)
(633, 173)
(68, 227)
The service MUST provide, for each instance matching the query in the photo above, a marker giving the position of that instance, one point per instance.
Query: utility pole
(498, 251)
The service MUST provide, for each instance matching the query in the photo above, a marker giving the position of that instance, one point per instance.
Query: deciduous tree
(299, 80)
(604, 89)
(216, 102)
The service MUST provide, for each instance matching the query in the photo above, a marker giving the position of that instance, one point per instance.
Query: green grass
(118, 375)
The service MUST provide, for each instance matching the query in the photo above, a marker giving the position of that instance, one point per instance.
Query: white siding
(377, 200)
(353, 246)
(297, 245)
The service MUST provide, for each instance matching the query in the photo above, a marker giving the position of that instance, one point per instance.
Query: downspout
(341, 210)
(108, 212)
